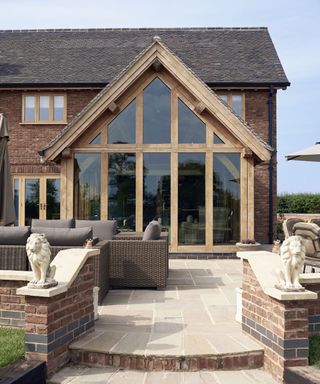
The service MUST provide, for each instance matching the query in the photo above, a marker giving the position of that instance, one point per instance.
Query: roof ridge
(135, 29)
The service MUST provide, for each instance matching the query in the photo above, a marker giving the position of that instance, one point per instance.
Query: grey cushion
(66, 223)
(103, 229)
(14, 235)
(65, 236)
(152, 232)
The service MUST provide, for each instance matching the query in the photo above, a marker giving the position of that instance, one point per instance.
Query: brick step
(227, 361)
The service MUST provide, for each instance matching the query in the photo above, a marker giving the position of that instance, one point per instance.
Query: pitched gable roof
(220, 56)
(157, 51)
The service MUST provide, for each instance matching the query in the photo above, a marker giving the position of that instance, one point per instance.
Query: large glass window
(156, 188)
(44, 109)
(53, 199)
(191, 198)
(122, 130)
(122, 189)
(156, 113)
(16, 190)
(192, 130)
(226, 198)
(87, 186)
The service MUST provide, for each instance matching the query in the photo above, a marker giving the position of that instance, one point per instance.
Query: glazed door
(36, 198)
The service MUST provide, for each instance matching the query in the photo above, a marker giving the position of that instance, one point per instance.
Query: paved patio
(194, 316)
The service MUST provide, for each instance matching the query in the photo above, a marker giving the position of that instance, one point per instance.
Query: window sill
(44, 123)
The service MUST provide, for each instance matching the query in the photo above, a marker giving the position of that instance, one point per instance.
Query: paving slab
(85, 375)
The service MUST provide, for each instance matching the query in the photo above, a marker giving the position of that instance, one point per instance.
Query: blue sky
(293, 25)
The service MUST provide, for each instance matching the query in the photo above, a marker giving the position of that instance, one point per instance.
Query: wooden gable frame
(157, 54)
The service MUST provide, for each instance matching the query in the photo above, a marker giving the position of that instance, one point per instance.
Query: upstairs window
(236, 102)
(44, 109)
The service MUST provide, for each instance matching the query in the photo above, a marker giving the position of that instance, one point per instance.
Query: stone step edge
(243, 360)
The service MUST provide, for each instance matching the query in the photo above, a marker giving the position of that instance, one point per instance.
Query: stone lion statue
(292, 253)
(38, 252)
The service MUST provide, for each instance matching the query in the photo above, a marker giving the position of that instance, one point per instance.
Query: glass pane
(29, 108)
(226, 198)
(191, 128)
(122, 130)
(96, 140)
(58, 108)
(191, 198)
(53, 199)
(16, 199)
(156, 113)
(87, 186)
(156, 188)
(237, 104)
(44, 103)
(217, 140)
(32, 200)
(122, 189)
(224, 98)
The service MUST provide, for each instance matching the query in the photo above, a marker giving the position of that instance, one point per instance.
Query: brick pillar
(281, 326)
(52, 323)
(11, 305)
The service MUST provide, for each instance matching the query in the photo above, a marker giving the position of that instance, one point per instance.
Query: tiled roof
(218, 56)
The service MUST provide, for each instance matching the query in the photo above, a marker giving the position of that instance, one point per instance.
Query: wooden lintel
(66, 153)
(113, 107)
(156, 65)
(199, 108)
(247, 153)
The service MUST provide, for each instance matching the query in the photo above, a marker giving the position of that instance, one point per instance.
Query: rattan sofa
(137, 263)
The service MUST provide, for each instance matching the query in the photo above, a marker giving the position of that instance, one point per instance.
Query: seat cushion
(152, 231)
(66, 223)
(103, 229)
(14, 235)
(65, 236)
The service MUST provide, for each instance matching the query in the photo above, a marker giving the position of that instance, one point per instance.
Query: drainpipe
(270, 168)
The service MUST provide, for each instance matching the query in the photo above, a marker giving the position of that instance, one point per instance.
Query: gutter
(272, 91)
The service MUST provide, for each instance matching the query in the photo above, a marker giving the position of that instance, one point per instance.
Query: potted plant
(248, 244)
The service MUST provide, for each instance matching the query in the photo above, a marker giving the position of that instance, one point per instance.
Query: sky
(294, 27)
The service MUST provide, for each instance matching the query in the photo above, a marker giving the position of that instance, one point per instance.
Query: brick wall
(53, 323)
(256, 106)
(12, 306)
(283, 327)
(26, 140)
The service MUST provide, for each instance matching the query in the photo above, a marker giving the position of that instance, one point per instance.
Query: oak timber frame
(206, 105)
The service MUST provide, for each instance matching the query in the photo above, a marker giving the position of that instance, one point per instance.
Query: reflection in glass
(237, 104)
(156, 188)
(44, 104)
(31, 200)
(122, 189)
(16, 199)
(217, 140)
(191, 128)
(58, 108)
(224, 98)
(226, 198)
(156, 113)
(29, 108)
(122, 129)
(191, 198)
(87, 186)
(53, 199)
(96, 140)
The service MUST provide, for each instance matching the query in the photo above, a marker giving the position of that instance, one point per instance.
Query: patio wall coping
(15, 275)
(68, 264)
(265, 265)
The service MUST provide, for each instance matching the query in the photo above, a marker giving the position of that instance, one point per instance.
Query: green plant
(314, 350)
(11, 345)
(299, 203)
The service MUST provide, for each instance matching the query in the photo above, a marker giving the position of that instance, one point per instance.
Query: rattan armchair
(134, 263)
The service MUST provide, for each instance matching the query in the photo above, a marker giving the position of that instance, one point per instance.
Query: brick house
(177, 125)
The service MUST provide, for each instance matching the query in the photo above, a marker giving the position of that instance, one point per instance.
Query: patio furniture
(137, 263)
(288, 224)
(310, 232)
